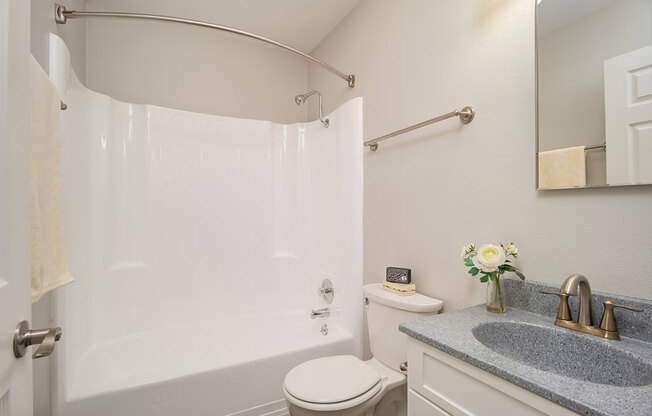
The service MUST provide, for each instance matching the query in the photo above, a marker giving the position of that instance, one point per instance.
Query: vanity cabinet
(440, 384)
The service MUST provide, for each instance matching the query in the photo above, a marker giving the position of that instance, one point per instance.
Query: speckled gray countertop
(453, 333)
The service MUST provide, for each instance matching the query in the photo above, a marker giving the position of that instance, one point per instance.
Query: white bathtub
(229, 366)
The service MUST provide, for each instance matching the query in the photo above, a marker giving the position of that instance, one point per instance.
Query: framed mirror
(594, 93)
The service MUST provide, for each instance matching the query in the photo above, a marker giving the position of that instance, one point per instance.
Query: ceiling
(302, 24)
(553, 14)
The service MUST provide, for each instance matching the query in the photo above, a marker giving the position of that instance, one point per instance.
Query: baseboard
(276, 408)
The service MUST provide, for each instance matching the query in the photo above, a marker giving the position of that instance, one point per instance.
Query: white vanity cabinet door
(419, 406)
(459, 389)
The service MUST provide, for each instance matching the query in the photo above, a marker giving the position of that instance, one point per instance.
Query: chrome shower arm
(326, 122)
(301, 98)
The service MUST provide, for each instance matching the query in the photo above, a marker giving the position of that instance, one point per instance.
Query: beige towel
(49, 266)
(562, 168)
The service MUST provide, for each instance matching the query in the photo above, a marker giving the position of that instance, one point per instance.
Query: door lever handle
(44, 338)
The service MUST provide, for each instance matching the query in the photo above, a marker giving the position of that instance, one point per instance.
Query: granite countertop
(452, 333)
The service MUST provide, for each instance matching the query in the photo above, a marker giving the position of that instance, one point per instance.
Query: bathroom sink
(578, 357)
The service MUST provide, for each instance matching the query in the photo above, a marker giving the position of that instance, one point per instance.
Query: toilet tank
(385, 312)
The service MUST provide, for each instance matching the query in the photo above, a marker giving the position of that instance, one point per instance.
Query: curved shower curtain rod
(61, 15)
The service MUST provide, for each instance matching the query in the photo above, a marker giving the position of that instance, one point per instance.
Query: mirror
(594, 92)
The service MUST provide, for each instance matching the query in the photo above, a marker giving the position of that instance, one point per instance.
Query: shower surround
(198, 243)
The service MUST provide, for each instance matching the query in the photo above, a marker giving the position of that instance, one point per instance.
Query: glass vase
(496, 299)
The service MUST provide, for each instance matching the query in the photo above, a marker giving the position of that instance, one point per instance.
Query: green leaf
(492, 276)
(507, 268)
(468, 262)
(474, 271)
(519, 274)
(484, 278)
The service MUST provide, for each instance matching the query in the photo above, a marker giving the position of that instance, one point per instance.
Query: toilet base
(393, 403)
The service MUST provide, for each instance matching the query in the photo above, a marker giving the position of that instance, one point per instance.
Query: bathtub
(232, 366)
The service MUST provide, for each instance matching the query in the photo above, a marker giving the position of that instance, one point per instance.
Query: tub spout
(320, 313)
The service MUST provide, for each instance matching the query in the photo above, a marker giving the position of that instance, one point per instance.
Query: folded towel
(49, 268)
(402, 289)
(562, 168)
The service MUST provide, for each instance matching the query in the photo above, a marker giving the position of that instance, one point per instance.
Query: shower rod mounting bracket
(61, 16)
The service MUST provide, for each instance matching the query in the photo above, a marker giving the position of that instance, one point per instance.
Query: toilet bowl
(344, 385)
(341, 385)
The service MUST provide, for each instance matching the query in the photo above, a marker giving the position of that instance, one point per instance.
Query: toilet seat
(332, 383)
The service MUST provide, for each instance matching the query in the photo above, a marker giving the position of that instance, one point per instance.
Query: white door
(628, 117)
(15, 374)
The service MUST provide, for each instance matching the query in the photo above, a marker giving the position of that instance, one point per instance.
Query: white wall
(191, 68)
(571, 77)
(429, 192)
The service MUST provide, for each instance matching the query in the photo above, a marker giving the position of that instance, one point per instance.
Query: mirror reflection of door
(628, 116)
(575, 41)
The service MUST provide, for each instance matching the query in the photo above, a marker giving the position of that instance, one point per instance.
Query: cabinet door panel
(418, 406)
(462, 389)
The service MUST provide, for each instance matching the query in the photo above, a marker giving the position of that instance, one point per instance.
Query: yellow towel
(562, 168)
(49, 266)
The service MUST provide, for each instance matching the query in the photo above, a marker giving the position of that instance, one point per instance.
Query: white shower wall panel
(178, 222)
(191, 211)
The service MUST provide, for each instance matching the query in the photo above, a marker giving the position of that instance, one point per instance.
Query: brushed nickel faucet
(570, 286)
(607, 328)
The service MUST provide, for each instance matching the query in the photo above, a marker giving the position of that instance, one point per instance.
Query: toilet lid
(331, 379)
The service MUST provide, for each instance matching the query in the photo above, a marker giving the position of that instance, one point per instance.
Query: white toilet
(344, 385)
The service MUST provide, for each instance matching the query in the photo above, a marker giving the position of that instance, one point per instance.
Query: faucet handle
(608, 323)
(563, 312)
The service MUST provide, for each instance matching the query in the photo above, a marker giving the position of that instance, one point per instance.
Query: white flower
(489, 257)
(466, 250)
(511, 249)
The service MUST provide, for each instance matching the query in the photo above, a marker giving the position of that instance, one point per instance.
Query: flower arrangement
(491, 262)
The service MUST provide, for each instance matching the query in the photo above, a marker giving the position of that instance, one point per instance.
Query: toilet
(344, 385)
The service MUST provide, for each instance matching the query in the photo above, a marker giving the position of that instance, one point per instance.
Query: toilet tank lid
(414, 303)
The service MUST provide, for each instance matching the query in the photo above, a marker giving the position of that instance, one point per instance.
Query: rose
(489, 257)
(511, 249)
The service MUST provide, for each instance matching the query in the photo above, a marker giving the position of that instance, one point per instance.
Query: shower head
(301, 98)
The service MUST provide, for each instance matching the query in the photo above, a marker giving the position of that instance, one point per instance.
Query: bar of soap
(401, 289)
(398, 275)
